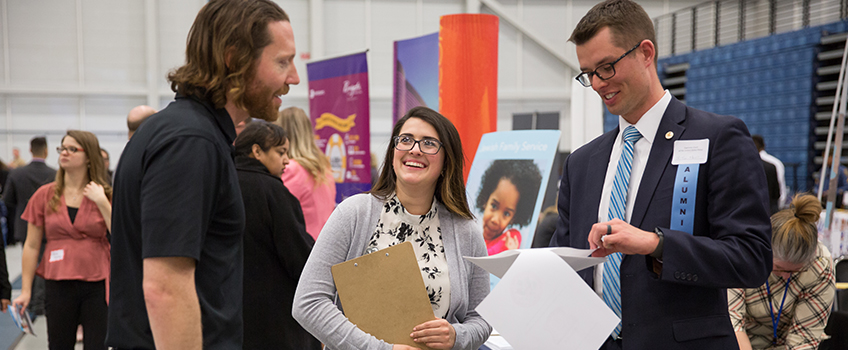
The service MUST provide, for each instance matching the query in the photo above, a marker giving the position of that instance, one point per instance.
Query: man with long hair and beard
(178, 213)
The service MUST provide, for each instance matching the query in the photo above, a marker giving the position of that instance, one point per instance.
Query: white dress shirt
(647, 126)
(781, 176)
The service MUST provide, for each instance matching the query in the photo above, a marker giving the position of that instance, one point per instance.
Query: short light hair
(628, 21)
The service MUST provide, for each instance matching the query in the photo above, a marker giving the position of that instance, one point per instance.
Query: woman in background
(308, 175)
(791, 309)
(276, 244)
(74, 214)
(507, 197)
(419, 198)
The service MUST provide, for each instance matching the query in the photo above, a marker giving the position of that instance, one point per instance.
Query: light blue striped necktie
(617, 210)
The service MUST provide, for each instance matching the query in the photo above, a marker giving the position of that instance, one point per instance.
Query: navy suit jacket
(681, 302)
(20, 186)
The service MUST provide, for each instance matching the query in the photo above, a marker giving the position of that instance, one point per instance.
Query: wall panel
(387, 27)
(108, 114)
(43, 42)
(51, 114)
(434, 9)
(345, 23)
(113, 42)
(174, 22)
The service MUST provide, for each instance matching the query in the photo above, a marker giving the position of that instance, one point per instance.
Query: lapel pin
(669, 135)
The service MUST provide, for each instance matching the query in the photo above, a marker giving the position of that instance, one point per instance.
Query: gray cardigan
(345, 236)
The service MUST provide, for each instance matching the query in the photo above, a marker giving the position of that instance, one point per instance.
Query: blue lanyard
(779, 311)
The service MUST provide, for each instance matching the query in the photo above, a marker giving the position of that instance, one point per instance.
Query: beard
(259, 100)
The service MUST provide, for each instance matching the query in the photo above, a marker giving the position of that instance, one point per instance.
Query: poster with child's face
(506, 185)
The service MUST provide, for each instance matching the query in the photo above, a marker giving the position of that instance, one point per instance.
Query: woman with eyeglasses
(73, 215)
(420, 198)
(791, 309)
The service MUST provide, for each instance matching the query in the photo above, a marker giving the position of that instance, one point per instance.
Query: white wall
(83, 64)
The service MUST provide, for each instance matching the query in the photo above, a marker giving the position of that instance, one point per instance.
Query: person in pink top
(308, 176)
(74, 215)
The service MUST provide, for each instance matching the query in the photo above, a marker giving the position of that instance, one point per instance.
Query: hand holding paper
(619, 236)
(541, 302)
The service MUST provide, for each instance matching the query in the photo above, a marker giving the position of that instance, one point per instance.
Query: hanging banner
(416, 74)
(339, 109)
(468, 76)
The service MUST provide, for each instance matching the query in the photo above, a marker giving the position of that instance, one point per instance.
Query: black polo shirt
(176, 194)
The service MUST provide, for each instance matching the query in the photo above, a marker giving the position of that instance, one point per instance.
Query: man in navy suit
(695, 217)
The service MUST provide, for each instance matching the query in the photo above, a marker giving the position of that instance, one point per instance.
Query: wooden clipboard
(384, 295)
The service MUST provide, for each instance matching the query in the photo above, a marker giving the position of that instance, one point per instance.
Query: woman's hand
(437, 334)
(22, 301)
(94, 192)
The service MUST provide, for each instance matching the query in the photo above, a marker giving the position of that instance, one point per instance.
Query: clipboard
(384, 295)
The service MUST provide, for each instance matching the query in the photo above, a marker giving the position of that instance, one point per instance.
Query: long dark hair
(450, 187)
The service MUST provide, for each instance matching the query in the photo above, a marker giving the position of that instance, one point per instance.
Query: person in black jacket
(773, 186)
(276, 244)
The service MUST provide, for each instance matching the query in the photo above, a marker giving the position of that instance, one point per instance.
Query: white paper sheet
(541, 302)
(498, 264)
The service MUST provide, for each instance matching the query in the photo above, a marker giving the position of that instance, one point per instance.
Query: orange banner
(468, 77)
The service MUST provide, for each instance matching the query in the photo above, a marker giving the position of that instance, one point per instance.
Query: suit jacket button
(695, 277)
(677, 274)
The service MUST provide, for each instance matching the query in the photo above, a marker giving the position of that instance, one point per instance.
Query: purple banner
(416, 79)
(339, 109)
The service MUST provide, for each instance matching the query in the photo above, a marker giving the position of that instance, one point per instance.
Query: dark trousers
(71, 303)
(36, 302)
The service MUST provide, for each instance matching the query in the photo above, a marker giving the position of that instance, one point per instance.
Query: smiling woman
(420, 198)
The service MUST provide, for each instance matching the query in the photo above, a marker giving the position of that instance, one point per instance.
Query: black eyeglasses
(603, 72)
(426, 145)
(70, 149)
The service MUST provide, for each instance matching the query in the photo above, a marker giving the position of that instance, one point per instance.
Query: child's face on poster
(500, 209)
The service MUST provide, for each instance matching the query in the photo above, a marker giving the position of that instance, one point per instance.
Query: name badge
(690, 151)
(57, 255)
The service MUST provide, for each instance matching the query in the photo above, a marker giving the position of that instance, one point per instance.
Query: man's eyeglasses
(70, 149)
(426, 145)
(603, 72)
